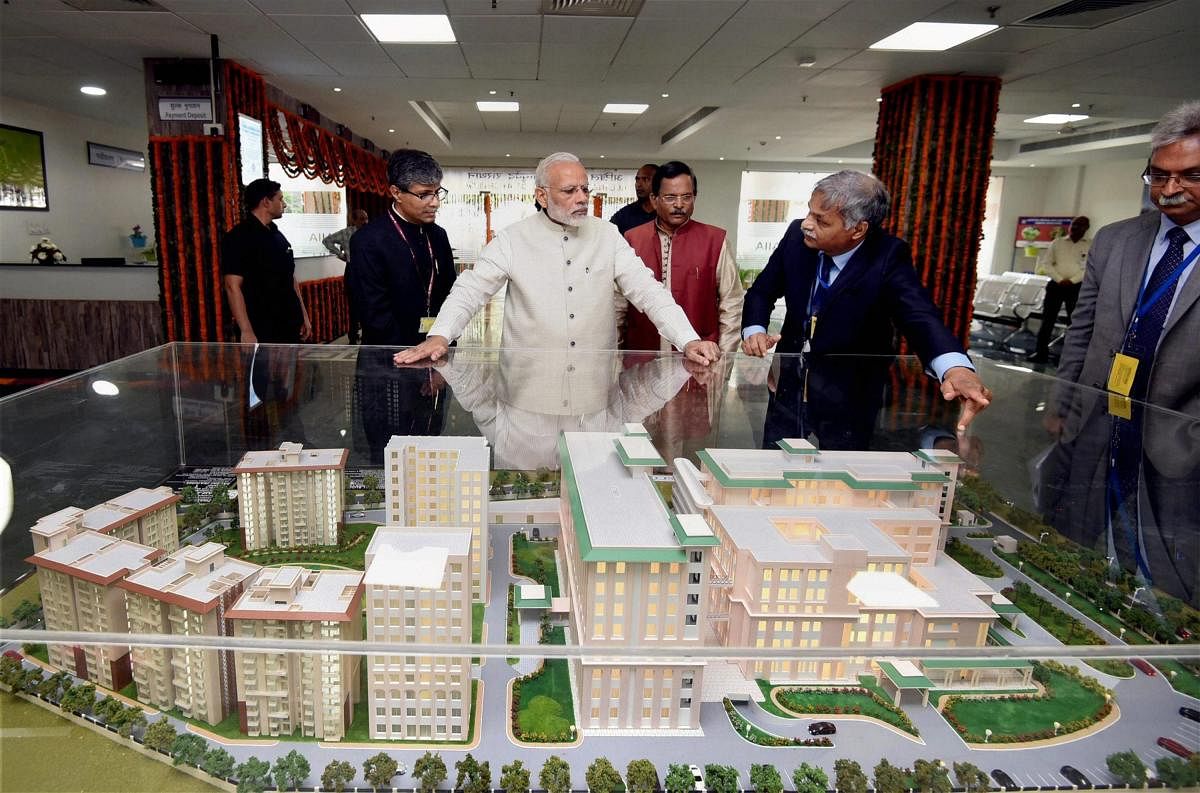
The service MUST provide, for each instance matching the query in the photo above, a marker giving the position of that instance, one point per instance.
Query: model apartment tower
(143, 516)
(78, 576)
(291, 497)
(281, 692)
(441, 481)
(189, 593)
(418, 590)
(832, 549)
(637, 574)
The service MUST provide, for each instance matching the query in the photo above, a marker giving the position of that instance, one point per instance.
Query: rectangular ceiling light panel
(932, 36)
(630, 108)
(1055, 118)
(498, 107)
(412, 28)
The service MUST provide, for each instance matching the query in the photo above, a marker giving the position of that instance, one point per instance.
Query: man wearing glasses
(1134, 337)
(401, 267)
(561, 267)
(693, 260)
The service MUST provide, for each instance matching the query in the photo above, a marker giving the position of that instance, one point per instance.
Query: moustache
(1173, 200)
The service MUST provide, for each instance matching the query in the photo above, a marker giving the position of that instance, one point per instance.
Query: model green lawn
(351, 554)
(972, 559)
(800, 702)
(545, 698)
(1067, 700)
(536, 560)
(1065, 628)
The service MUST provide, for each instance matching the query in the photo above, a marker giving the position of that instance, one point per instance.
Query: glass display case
(527, 554)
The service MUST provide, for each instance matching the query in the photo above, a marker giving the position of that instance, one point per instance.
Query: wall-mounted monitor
(250, 140)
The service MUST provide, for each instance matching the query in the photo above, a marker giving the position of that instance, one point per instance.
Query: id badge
(427, 323)
(1120, 376)
(1120, 406)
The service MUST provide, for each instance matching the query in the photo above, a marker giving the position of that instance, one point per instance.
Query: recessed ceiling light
(840, 162)
(1074, 104)
(92, 90)
(778, 137)
(1055, 118)
(664, 96)
(879, 99)
(391, 130)
(409, 27)
(602, 156)
(337, 90)
(507, 155)
(932, 36)
(492, 92)
(498, 107)
(105, 388)
(1032, 165)
(630, 108)
(720, 158)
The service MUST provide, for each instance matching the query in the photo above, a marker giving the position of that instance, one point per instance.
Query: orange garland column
(933, 151)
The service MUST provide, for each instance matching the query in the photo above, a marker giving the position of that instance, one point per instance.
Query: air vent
(1088, 14)
(689, 125)
(1103, 136)
(593, 8)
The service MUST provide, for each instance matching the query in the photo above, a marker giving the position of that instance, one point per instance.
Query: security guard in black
(262, 256)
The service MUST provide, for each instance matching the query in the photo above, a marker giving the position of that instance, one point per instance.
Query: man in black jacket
(401, 267)
(849, 286)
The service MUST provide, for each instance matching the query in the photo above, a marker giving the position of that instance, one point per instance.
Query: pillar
(933, 151)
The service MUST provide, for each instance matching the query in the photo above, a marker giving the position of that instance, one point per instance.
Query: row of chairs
(1006, 302)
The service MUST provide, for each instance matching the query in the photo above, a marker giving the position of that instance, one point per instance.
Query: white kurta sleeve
(473, 288)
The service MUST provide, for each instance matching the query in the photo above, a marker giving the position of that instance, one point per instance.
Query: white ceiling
(739, 55)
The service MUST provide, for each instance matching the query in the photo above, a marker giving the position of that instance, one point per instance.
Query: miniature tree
(370, 482)
(1179, 773)
(53, 686)
(188, 494)
(430, 769)
(556, 775)
(290, 770)
(810, 779)
(26, 611)
(720, 778)
(133, 718)
(889, 778)
(188, 749)
(108, 709)
(10, 671)
(379, 769)
(466, 769)
(1127, 767)
(337, 775)
(482, 781)
(641, 776)
(79, 699)
(972, 778)
(931, 776)
(678, 779)
(514, 777)
(160, 735)
(30, 680)
(602, 777)
(765, 778)
(252, 775)
(217, 762)
(848, 777)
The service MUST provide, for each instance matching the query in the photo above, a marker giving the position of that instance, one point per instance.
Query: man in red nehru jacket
(694, 261)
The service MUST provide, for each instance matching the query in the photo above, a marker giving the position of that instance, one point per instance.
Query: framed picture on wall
(22, 169)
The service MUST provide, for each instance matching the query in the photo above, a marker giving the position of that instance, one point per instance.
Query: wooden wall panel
(75, 334)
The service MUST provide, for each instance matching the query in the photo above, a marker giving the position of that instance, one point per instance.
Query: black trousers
(1056, 296)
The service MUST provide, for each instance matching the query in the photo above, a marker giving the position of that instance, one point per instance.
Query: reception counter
(72, 316)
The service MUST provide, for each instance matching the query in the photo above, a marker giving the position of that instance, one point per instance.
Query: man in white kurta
(562, 268)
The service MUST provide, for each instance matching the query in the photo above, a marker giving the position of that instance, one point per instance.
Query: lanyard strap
(433, 263)
(1142, 307)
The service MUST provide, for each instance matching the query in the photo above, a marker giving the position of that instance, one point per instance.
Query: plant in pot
(137, 238)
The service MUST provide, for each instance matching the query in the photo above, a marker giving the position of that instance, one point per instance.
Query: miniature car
(1175, 747)
(18, 656)
(1144, 666)
(1189, 713)
(1183, 633)
(1075, 776)
(1004, 780)
(698, 778)
(822, 728)
(358, 514)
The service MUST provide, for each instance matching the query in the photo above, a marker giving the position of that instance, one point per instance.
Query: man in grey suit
(1131, 485)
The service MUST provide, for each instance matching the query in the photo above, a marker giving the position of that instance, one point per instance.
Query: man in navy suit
(849, 286)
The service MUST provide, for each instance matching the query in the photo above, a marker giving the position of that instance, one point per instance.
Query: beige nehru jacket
(561, 283)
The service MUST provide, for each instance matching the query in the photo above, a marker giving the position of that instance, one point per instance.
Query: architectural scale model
(291, 497)
(418, 589)
(280, 692)
(188, 593)
(144, 516)
(441, 481)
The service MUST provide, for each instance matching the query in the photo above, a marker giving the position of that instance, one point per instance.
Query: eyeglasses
(682, 198)
(440, 194)
(570, 191)
(1158, 178)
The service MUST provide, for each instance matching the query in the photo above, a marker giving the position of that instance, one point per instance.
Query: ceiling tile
(592, 33)
(501, 6)
(497, 29)
(315, 29)
(303, 6)
(428, 60)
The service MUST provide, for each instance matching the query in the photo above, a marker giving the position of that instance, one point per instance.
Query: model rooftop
(618, 513)
(416, 558)
(185, 577)
(291, 457)
(799, 459)
(473, 452)
(294, 593)
(958, 592)
(96, 557)
(805, 535)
